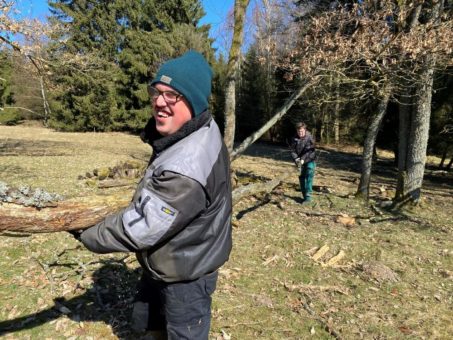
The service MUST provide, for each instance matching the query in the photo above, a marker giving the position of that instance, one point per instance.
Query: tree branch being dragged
(76, 213)
(84, 212)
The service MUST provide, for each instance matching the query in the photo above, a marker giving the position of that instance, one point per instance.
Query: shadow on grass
(325, 158)
(336, 160)
(267, 199)
(20, 147)
(244, 212)
(109, 300)
(14, 169)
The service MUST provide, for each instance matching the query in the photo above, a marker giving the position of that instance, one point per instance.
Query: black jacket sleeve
(293, 147)
(161, 207)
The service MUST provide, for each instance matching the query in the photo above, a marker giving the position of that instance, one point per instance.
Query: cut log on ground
(77, 213)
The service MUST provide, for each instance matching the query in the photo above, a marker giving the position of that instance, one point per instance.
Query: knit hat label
(190, 75)
(165, 79)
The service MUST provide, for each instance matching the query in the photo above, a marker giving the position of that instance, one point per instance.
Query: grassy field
(339, 268)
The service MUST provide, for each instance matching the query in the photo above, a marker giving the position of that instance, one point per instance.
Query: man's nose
(160, 101)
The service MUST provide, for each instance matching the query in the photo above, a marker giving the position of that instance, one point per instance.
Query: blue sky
(216, 10)
(216, 13)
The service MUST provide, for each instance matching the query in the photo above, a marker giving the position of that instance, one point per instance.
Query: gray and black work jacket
(179, 220)
(303, 148)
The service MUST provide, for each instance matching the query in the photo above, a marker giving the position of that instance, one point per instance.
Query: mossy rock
(91, 182)
(103, 173)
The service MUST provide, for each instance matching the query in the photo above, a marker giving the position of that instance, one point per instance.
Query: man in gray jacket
(179, 220)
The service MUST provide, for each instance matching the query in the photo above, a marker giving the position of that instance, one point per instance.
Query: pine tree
(7, 116)
(150, 39)
(217, 102)
(84, 64)
(6, 96)
(251, 101)
(120, 44)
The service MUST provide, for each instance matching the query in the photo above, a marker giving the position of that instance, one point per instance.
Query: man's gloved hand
(76, 234)
(301, 162)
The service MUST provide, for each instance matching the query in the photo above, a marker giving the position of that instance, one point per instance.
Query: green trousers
(306, 180)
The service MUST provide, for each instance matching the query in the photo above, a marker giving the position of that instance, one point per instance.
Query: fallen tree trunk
(77, 213)
(253, 189)
(82, 213)
(260, 187)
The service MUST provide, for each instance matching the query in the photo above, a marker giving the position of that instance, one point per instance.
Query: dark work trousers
(183, 309)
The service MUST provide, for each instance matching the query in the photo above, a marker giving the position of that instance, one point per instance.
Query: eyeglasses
(170, 97)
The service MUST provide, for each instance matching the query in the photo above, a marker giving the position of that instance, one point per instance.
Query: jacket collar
(160, 143)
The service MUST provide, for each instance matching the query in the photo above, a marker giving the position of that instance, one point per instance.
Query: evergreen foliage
(217, 102)
(262, 89)
(6, 95)
(252, 94)
(7, 116)
(441, 138)
(108, 51)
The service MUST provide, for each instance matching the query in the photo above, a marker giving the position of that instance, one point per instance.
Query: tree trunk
(369, 145)
(405, 110)
(240, 7)
(412, 167)
(415, 16)
(280, 113)
(336, 122)
(414, 126)
(47, 111)
(418, 141)
(82, 213)
(444, 157)
(79, 213)
(322, 129)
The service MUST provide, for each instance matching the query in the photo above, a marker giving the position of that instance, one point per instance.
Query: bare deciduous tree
(372, 48)
(240, 7)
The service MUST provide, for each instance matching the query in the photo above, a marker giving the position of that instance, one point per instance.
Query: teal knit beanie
(191, 76)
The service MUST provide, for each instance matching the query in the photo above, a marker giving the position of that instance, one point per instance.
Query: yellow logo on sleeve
(167, 211)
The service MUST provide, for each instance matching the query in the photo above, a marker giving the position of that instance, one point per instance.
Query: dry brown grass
(53, 160)
(272, 287)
